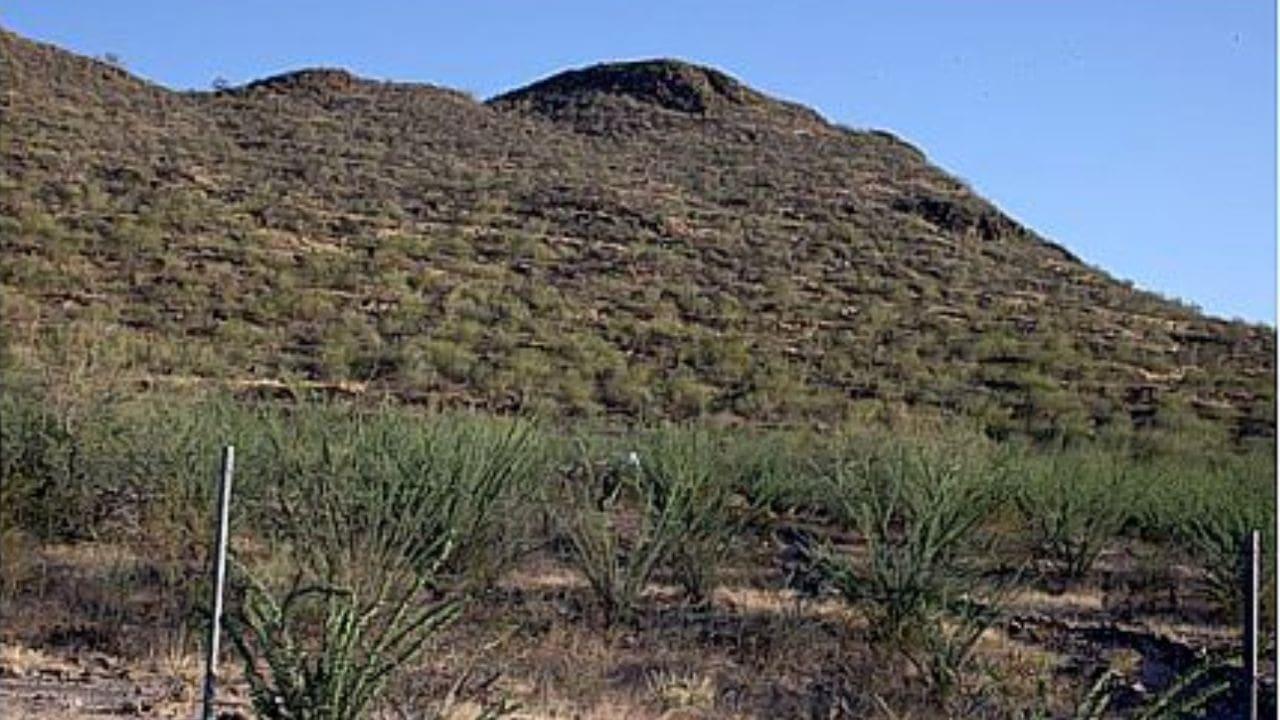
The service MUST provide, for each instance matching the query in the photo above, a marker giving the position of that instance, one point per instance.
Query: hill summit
(633, 89)
(314, 80)
(634, 240)
(668, 84)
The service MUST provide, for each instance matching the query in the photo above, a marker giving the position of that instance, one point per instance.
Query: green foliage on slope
(648, 240)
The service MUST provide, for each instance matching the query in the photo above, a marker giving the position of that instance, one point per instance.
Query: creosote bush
(446, 274)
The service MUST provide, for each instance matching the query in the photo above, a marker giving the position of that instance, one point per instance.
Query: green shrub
(688, 398)
(65, 471)
(919, 511)
(1186, 696)
(783, 472)
(1073, 504)
(377, 523)
(33, 454)
(662, 506)
(693, 484)
(368, 628)
(1217, 540)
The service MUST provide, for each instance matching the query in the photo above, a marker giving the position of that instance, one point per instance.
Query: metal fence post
(1250, 552)
(219, 577)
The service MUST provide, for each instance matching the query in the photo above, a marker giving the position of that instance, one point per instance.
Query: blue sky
(1140, 134)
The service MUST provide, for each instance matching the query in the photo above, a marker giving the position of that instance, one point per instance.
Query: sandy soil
(758, 652)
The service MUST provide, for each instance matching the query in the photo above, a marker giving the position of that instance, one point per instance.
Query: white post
(219, 577)
(1251, 552)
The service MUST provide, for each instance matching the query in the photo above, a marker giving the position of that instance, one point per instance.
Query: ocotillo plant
(625, 520)
(1073, 504)
(370, 524)
(920, 512)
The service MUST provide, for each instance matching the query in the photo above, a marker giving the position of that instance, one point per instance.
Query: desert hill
(637, 240)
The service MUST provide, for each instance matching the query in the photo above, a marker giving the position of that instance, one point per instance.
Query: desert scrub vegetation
(335, 473)
(375, 525)
(919, 513)
(350, 243)
(662, 505)
(1217, 537)
(779, 474)
(1073, 503)
(363, 533)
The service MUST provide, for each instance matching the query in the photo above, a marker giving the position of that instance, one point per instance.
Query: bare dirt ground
(44, 686)
(757, 652)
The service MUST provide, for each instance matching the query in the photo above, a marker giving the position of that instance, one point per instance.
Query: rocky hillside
(640, 240)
